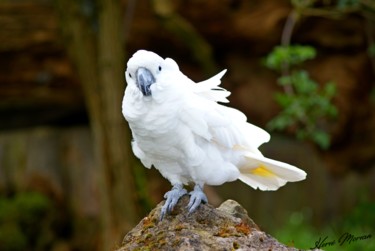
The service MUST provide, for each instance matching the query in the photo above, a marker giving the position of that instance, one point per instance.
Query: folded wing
(227, 127)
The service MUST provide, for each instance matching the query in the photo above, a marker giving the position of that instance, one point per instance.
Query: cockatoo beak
(144, 80)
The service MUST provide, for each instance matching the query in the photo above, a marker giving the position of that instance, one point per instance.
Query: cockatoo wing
(228, 128)
(211, 90)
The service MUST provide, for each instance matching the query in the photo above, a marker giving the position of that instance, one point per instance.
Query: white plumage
(179, 128)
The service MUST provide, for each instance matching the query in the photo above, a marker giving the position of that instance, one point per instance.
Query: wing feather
(225, 126)
(211, 90)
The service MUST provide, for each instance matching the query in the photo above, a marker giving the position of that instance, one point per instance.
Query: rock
(227, 227)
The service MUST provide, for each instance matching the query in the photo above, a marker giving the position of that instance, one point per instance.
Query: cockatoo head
(145, 69)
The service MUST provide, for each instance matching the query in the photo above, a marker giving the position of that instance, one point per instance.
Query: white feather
(210, 89)
(271, 175)
(182, 131)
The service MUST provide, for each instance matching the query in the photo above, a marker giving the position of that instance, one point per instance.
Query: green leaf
(285, 80)
(284, 100)
(280, 122)
(302, 82)
(321, 138)
(329, 90)
(332, 111)
(289, 55)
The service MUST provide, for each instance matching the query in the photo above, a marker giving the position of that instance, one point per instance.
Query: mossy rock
(227, 227)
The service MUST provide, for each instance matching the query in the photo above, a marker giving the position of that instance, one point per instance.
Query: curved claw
(172, 198)
(197, 196)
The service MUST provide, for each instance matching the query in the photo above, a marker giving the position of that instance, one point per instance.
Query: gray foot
(172, 198)
(197, 196)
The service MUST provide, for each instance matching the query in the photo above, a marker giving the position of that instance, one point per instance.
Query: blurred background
(302, 69)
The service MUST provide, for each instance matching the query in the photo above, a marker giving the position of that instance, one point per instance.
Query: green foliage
(25, 222)
(344, 4)
(305, 105)
(12, 238)
(371, 50)
(298, 232)
(361, 217)
(289, 55)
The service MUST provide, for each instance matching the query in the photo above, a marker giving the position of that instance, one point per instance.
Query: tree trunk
(99, 59)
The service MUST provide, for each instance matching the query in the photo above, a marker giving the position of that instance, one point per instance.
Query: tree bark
(99, 58)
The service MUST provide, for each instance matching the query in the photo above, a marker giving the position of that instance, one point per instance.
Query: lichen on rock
(227, 227)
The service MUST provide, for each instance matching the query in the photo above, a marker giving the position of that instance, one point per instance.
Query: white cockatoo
(179, 128)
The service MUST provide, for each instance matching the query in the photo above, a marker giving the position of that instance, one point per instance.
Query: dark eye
(130, 75)
(159, 68)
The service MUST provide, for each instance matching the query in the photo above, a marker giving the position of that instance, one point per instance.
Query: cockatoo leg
(197, 196)
(172, 197)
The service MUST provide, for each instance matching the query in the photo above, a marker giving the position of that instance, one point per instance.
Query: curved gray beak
(144, 80)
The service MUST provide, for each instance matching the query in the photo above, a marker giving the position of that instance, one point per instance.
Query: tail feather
(268, 174)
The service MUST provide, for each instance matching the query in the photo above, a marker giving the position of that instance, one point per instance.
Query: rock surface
(227, 227)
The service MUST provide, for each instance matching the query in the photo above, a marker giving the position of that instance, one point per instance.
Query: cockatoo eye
(159, 68)
(130, 75)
